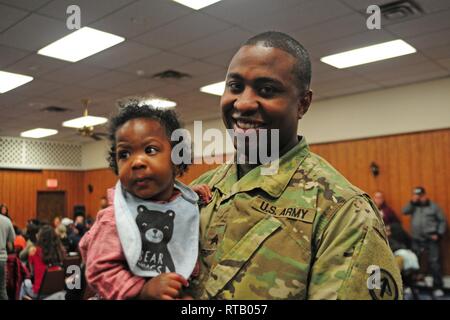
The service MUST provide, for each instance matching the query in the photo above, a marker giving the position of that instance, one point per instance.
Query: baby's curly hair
(134, 108)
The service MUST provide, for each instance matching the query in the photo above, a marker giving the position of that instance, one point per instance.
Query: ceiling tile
(140, 17)
(305, 14)
(29, 5)
(330, 30)
(240, 11)
(34, 33)
(108, 80)
(349, 43)
(214, 44)
(69, 93)
(10, 16)
(439, 52)
(156, 63)
(428, 23)
(136, 87)
(429, 40)
(90, 10)
(183, 30)
(36, 87)
(121, 55)
(9, 56)
(36, 65)
(74, 73)
(223, 58)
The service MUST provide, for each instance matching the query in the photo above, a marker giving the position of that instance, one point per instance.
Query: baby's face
(143, 156)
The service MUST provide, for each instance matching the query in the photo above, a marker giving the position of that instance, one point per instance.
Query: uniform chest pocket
(240, 253)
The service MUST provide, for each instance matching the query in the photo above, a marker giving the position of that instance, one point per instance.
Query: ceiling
(162, 34)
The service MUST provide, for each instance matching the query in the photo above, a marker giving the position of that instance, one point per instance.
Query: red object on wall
(52, 183)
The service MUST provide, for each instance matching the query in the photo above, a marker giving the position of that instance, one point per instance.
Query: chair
(52, 282)
(71, 260)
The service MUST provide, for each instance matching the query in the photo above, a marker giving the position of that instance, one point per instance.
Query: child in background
(48, 254)
(145, 245)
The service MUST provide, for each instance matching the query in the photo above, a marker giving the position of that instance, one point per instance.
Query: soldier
(303, 233)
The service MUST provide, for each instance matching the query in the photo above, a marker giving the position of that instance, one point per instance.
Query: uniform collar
(272, 184)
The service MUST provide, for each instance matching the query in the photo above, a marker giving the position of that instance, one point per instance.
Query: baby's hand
(166, 286)
(203, 191)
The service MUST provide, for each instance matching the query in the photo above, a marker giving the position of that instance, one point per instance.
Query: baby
(145, 245)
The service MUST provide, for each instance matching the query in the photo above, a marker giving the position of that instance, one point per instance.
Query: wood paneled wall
(405, 161)
(101, 180)
(18, 190)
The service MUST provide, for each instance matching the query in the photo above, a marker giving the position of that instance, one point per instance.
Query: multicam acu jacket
(304, 233)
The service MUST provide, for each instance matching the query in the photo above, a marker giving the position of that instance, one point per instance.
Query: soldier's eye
(166, 228)
(144, 224)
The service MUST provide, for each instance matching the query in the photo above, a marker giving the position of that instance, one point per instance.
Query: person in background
(19, 242)
(48, 254)
(61, 231)
(387, 213)
(7, 236)
(428, 227)
(30, 235)
(4, 210)
(56, 222)
(103, 203)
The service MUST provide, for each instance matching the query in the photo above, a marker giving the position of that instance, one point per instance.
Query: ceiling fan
(88, 131)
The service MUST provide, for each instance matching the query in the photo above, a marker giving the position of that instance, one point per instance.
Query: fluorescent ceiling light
(369, 54)
(160, 103)
(80, 44)
(215, 88)
(38, 133)
(9, 81)
(86, 121)
(196, 4)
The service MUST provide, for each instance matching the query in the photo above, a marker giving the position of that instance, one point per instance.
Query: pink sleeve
(106, 266)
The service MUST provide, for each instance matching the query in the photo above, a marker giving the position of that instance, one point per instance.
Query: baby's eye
(151, 150)
(144, 224)
(123, 154)
(166, 228)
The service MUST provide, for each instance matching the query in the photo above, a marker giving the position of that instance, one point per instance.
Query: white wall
(416, 107)
(94, 155)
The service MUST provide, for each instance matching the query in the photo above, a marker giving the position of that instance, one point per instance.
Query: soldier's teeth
(247, 125)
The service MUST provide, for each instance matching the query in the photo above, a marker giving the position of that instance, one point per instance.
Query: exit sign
(52, 183)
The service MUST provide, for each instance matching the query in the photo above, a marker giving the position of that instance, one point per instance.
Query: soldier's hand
(166, 286)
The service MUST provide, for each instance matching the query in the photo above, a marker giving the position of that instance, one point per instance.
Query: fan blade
(95, 137)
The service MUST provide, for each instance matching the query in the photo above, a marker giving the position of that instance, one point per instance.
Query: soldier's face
(261, 93)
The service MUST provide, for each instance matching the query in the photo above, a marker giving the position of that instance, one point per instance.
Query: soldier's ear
(304, 101)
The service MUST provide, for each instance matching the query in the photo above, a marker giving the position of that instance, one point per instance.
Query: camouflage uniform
(304, 233)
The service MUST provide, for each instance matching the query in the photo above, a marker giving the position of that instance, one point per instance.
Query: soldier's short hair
(282, 41)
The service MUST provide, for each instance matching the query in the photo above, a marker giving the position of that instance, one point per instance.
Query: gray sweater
(426, 220)
(7, 235)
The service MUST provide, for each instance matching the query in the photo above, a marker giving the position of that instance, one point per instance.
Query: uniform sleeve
(353, 260)
(106, 269)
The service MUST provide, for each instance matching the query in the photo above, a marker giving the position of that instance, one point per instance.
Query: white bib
(155, 237)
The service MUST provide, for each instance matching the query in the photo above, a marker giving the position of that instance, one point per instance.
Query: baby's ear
(171, 214)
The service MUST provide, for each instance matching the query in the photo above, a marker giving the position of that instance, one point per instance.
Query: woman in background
(47, 255)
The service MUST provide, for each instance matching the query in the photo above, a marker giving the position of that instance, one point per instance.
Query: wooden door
(50, 204)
